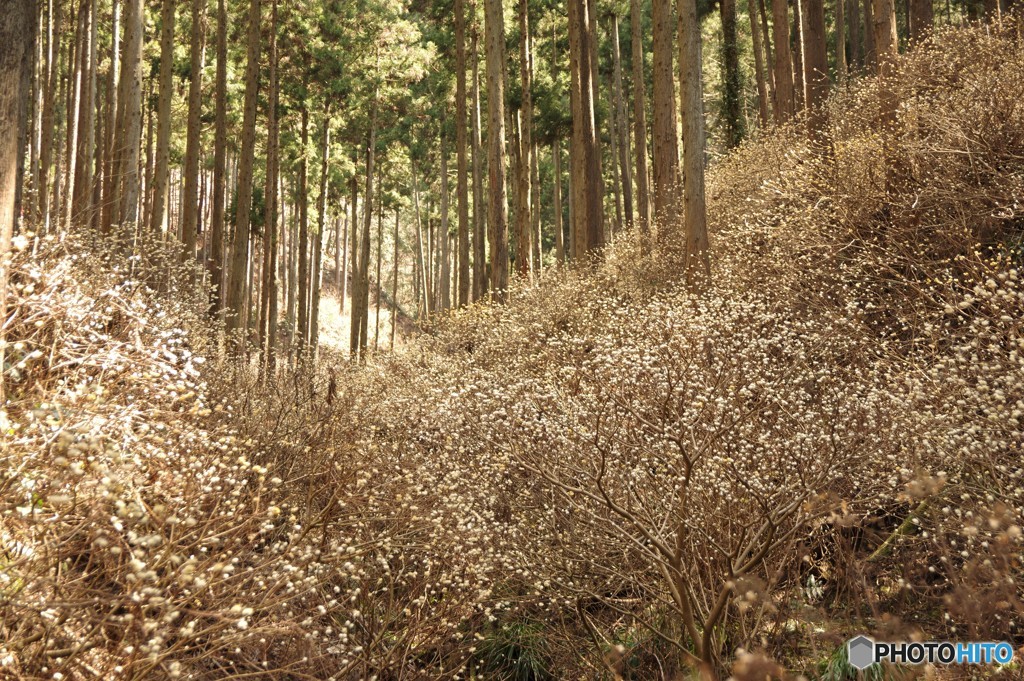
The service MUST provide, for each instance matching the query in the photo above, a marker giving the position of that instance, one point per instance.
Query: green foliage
(516, 651)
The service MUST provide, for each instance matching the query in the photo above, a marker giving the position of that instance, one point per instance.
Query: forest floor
(612, 476)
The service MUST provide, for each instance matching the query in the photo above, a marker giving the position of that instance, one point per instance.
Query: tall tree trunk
(841, 67)
(378, 285)
(815, 67)
(585, 182)
(75, 70)
(922, 17)
(360, 291)
(352, 242)
(524, 216)
(869, 36)
(158, 215)
(623, 126)
(130, 129)
(799, 31)
(420, 280)
(462, 160)
(763, 105)
(479, 211)
(884, 17)
(692, 108)
(856, 49)
(536, 238)
(613, 150)
(343, 270)
(325, 155)
(732, 89)
(215, 262)
(302, 204)
(17, 30)
(49, 98)
(664, 140)
(394, 288)
(497, 213)
(643, 200)
(364, 255)
(556, 155)
(444, 290)
(785, 104)
(107, 210)
(81, 204)
(236, 301)
(268, 310)
(190, 216)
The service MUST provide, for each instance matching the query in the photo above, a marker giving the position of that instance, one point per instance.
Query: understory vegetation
(611, 476)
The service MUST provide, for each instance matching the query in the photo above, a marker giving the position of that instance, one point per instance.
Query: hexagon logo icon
(861, 652)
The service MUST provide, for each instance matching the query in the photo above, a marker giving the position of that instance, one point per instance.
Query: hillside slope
(612, 476)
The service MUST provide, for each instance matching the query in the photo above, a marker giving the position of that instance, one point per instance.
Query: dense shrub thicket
(610, 477)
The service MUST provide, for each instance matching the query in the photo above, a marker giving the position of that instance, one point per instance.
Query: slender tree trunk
(623, 126)
(215, 263)
(364, 255)
(75, 70)
(815, 67)
(293, 284)
(785, 104)
(49, 99)
(664, 141)
(130, 128)
(692, 108)
(497, 213)
(479, 210)
(799, 86)
(236, 302)
(524, 216)
(841, 67)
(536, 237)
(163, 124)
(352, 243)
(268, 310)
(462, 164)
(190, 216)
(884, 17)
(302, 204)
(585, 182)
(81, 208)
(343, 272)
(613, 150)
(423, 297)
(556, 155)
(325, 155)
(394, 288)
(639, 117)
(763, 105)
(378, 286)
(444, 290)
(732, 88)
